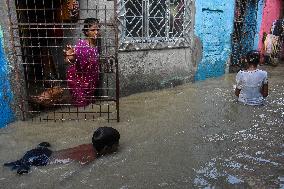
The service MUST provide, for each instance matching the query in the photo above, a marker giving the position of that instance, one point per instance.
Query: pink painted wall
(271, 11)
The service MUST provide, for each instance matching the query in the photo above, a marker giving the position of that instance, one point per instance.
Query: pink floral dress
(82, 76)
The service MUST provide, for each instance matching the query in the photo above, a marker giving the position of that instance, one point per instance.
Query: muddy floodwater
(191, 136)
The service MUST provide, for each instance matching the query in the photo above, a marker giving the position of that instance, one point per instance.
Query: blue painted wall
(249, 32)
(250, 28)
(259, 20)
(6, 97)
(214, 26)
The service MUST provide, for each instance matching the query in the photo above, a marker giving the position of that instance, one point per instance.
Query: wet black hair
(44, 144)
(253, 57)
(105, 137)
(88, 22)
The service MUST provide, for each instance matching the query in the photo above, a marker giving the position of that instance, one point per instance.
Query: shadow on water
(190, 136)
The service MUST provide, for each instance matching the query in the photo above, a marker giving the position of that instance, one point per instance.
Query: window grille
(154, 24)
(40, 31)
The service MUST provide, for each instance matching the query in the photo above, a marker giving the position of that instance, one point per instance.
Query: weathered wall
(11, 87)
(271, 12)
(6, 96)
(148, 70)
(214, 26)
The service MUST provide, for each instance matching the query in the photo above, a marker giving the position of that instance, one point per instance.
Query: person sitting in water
(252, 83)
(105, 140)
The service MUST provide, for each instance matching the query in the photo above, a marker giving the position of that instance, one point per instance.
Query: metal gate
(40, 32)
(245, 28)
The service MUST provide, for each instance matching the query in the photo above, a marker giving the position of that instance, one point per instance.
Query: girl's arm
(238, 83)
(69, 54)
(237, 92)
(264, 90)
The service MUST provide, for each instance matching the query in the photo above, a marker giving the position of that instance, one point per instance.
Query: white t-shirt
(250, 83)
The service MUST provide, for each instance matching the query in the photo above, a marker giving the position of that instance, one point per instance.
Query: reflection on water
(191, 136)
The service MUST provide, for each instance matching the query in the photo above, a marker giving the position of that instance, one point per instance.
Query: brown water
(191, 136)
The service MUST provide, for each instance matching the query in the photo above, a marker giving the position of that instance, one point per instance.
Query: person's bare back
(105, 140)
(83, 154)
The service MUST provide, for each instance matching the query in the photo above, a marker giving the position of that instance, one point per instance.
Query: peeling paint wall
(214, 26)
(149, 70)
(6, 96)
(271, 12)
(14, 79)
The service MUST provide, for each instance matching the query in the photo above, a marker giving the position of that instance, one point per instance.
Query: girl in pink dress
(83, 69)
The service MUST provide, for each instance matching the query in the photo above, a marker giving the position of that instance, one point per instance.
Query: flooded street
(191, 136)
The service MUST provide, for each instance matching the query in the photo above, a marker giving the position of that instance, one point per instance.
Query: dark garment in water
(35, 157)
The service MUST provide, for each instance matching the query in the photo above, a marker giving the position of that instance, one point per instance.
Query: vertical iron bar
(54, 116)
(117, 90)
(108, 112)
(77, 112)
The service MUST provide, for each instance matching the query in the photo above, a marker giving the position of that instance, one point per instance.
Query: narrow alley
(190, 136)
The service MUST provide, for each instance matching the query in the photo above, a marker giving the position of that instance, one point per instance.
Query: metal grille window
(154, 23)
(40, 30)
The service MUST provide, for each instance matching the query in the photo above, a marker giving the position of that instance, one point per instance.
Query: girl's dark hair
(105, 136)
(253, 57)
(88, 22)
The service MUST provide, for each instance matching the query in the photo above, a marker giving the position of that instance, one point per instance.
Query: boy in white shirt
(252, 83)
